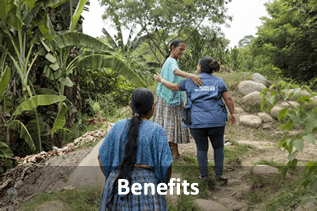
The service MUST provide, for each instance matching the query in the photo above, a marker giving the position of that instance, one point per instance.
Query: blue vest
(207, 107)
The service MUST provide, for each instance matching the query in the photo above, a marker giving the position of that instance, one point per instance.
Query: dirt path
(80, 167)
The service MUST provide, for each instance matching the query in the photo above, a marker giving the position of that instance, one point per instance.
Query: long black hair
(209, 65)
(174, 43)
(141, 102)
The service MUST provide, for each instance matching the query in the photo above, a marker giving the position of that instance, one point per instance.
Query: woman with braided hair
(168, 111)
(208, 112)
(137, 150)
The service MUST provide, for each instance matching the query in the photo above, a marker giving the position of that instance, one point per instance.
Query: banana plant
(24, 23)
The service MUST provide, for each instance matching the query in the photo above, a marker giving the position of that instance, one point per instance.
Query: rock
(209, 205)
(247, 87)
(257, 77)
(238, 110)
(233, 182)
(51, 206)
(267, 126)
(225, 69)
(252, 99)
(174, 198)
(289, 104)
(265, 169)
(275, 110)
(231, 203)
(265, 117)
(298, 94)
(251, 120)
(308, 206)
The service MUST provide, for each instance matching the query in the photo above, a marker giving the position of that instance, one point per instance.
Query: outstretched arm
(229, 102)
(195, 78)
(167, 84)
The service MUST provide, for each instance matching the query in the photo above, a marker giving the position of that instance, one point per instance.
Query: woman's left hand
(196, 79)
(158, 77)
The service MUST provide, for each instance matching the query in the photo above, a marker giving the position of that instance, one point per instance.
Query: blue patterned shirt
(153, 148)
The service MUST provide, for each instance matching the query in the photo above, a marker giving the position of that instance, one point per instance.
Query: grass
(190, 172)
(72, 200)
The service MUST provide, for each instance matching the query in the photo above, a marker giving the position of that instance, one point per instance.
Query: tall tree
(160, 18)
(288, 38)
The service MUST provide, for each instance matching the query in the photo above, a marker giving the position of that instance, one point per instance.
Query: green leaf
(38, 100)
(263, 100)
(305, 199)
(282, 113)
(311, 166)
(3, 10)
(311, 121)
(24, 133)
(70, 39)
(46, 27)
(60, 119)
(5, 150)
(287, 126)
(77, 14)
(48, 73)
(313, 186)
(54, 66)
(299, 144)
(50, 58)
(66, 81)
(310, 138)
(283, 171)
(4, 81)
(99, 61)
(291, 156)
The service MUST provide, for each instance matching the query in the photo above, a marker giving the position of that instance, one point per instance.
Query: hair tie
(136, 114)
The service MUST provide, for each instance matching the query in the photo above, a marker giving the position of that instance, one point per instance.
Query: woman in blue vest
(169, 106)
(208, 112)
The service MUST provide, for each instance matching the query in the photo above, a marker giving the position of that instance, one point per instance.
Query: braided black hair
(209, 65)
(141, 102)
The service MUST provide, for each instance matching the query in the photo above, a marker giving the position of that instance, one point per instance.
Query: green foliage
(287, 40)
(295, 117)
(161, 18)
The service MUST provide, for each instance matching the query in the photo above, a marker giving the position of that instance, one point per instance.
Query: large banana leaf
(24, 133)
(5, 150)
(98, 61)
(4, 81)
(38, 100)
(77, 13)
(78, 39)
(60, 119)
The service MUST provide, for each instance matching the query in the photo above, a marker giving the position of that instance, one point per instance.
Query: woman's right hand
(158, 77)
(232, 120)
(196, 79)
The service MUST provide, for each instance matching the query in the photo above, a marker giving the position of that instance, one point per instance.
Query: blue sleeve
(182, 86)
(222, 86)
(163, 155)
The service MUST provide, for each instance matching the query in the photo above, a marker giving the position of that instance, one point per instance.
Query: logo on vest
(205, 88)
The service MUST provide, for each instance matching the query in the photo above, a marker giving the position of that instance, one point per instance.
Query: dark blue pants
(215, 135)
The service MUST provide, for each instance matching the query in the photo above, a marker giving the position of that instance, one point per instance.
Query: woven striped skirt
(170, 118)
(142, 202)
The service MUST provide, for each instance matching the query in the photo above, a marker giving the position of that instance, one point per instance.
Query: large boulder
(208, 205)
(265, 117)
(257, 77)
(278, 107)
(252, 99)
(298, 94)
(246, 87)
(251, 120)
